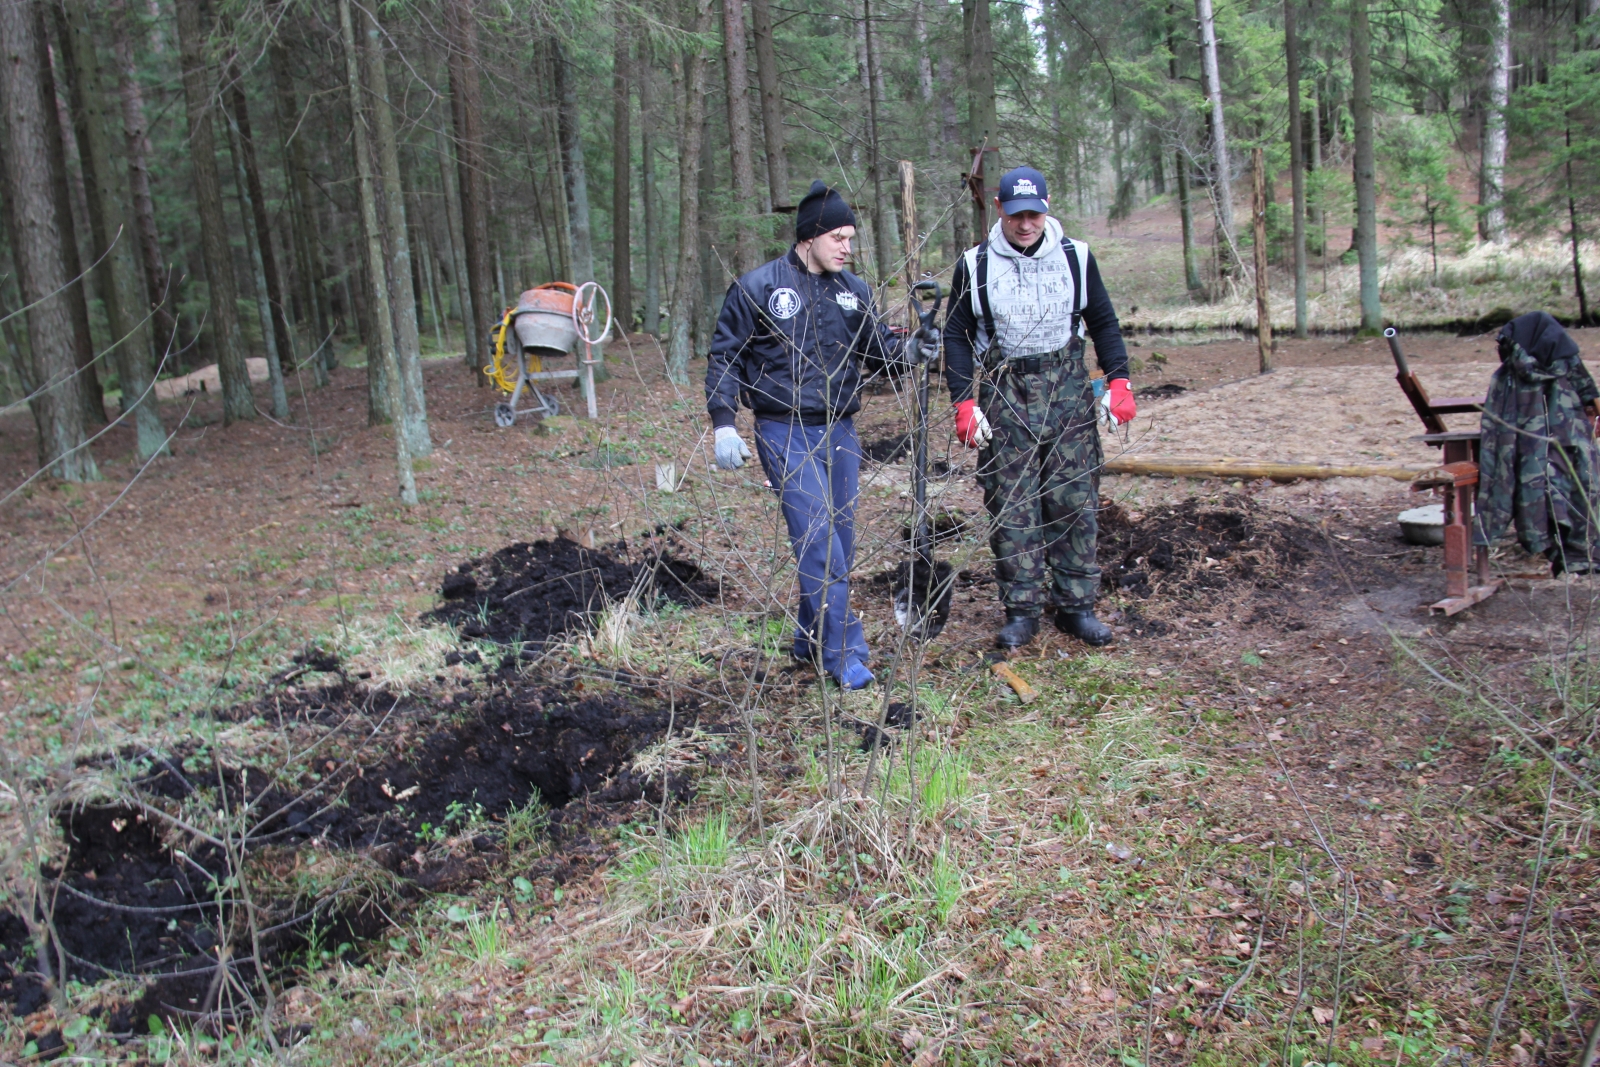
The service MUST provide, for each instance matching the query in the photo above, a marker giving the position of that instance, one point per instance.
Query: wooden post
(1259, 210)
(908, 223)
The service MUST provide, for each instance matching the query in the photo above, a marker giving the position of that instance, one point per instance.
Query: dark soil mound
(887, 449)
(532, 591)
(1192, 549)
(1164, 391)
(135, 898)
(544, 742)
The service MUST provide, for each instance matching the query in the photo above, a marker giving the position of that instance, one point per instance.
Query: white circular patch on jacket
(783, 303)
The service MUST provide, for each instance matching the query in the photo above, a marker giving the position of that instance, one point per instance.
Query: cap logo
(783, 303)
(1024, 187)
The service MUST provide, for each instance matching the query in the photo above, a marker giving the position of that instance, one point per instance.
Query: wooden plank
(1246, 469)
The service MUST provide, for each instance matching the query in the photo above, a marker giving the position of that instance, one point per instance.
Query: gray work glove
(731, 449)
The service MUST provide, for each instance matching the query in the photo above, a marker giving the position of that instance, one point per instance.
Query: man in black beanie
(788, 346)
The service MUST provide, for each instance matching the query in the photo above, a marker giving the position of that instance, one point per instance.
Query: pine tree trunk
(1297, 167)
(736, 82)
(1221, 166)
(223, 311)
(1492, 183)
(16, 374)
(302, 214)
(458, 257)
(771, 104)
(575, 178)
(257, 275)
(466, 106)
(106, 184)
(557, 170)
(882, 213)
(956, 157)
(377, 267)
(1572, 233)
(574, 174)
(258, 233)
(983, 124)
(707, 306)
(90, 391)
(647, 193)
(1366, 171)
(1180, 171)
(431, 274)
(1258, 221)
(919, 33)
(157, 277)
(692, 120)
(413, 407)
(621, 183)
(541, 218)
(36, 240)
(1191, 260)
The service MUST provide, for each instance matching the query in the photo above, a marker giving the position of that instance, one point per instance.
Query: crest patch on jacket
(783, 303)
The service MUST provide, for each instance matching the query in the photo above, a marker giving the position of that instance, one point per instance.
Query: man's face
(1023, 228)
(829, 252)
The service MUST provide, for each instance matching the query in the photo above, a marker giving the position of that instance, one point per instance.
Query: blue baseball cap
(1023, 189)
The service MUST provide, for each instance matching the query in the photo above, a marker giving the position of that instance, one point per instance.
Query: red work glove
(1119, 401)
(972, 428)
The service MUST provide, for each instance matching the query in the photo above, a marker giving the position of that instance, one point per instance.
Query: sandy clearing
(1349, 415)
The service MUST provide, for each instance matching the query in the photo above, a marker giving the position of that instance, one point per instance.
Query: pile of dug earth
(530, 592)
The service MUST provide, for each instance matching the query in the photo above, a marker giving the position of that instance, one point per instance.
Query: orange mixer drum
(543, 318)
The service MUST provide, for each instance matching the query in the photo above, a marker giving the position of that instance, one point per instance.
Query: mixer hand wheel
(590, 304)
(587, 305)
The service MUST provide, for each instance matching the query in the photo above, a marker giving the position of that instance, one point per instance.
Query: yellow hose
(503, 376)
(501, 372)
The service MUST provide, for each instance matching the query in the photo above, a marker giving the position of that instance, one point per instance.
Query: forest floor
(1287, 817)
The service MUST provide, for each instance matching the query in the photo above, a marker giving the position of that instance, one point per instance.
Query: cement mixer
(549, 322)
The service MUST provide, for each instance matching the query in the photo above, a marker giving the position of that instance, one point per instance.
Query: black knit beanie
(821, 211)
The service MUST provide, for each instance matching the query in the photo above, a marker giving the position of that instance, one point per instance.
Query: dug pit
(136, 896)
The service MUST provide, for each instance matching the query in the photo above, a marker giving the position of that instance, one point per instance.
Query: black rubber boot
(1018, 631)
(1084, 626)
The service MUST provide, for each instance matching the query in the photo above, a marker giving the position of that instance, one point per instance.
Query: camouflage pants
(1040, 475)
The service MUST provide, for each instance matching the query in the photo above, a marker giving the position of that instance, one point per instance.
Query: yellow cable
(505, 379)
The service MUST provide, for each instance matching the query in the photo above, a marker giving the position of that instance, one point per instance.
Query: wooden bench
(1466, 569)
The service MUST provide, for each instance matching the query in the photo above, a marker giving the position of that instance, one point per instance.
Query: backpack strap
(980, 290)
(1077, 262)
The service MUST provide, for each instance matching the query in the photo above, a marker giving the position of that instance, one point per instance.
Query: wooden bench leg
(1462, 562)
(1457, 546)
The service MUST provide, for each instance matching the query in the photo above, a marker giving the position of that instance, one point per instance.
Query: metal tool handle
(926, 297)
(925, 307)
(1393, 337)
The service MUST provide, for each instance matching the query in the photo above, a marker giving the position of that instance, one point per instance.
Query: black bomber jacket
(788, 344)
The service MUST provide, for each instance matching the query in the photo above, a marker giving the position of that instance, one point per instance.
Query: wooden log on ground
(1247, 469)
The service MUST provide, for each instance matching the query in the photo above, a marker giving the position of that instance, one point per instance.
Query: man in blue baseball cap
(788, 345)
(1021, 304)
